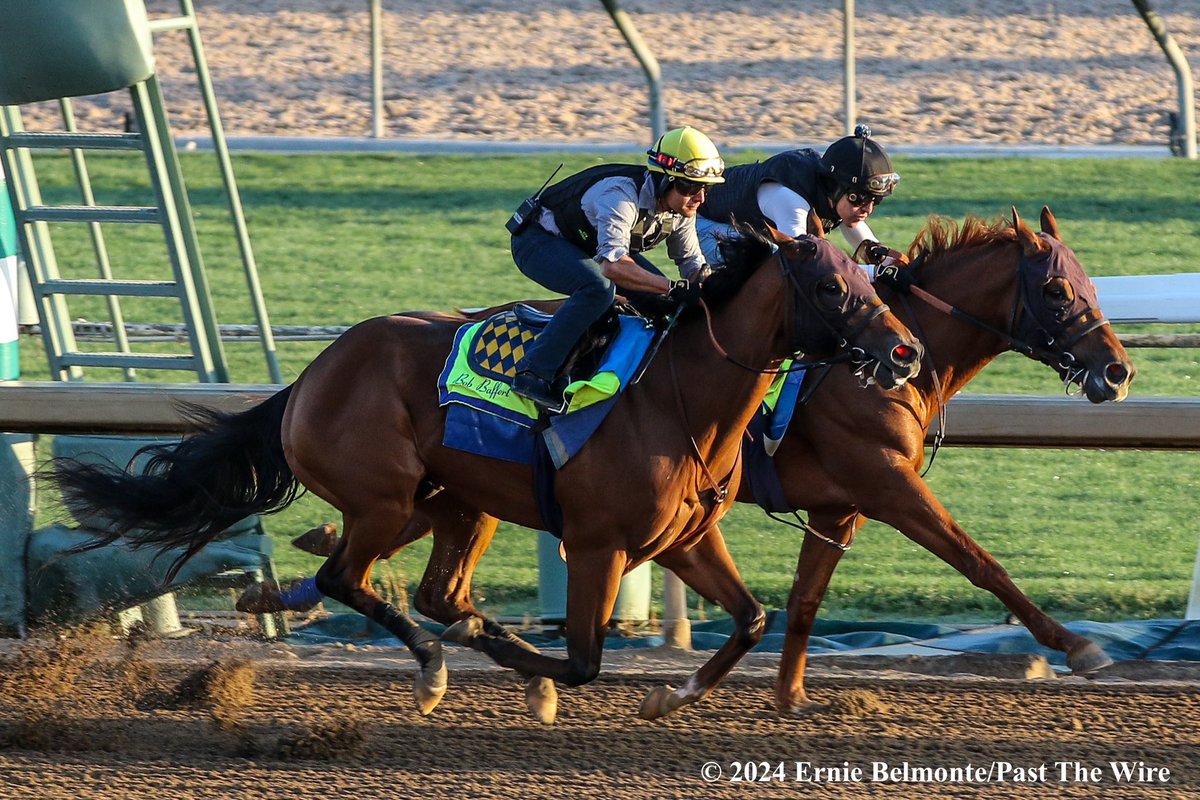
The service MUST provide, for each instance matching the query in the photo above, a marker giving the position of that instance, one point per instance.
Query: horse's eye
(831, 287)
(1057, 292)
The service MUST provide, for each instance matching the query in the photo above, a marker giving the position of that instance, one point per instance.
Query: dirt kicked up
(97, 718)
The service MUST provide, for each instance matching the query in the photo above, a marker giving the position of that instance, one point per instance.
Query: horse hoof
(1087, 659)
(802, 708)
(428, 690)
(320, 541)
(463, 631)
(661, 701)
(260, 598)
(541, 696)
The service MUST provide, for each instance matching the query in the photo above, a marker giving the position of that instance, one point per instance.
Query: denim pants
(562, 267)
(708, 232)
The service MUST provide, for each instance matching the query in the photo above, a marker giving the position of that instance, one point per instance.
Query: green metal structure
(53, 50)
(58, 49)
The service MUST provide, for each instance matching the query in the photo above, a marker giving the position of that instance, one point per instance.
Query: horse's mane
(744, 253)
(942, 234)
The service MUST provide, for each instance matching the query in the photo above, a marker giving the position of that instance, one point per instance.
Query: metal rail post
(848, 65)
(1186, 124)
(658, 119)
(676, 627)
(376, 69)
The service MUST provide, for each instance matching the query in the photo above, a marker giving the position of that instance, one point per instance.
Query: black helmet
(858, 164)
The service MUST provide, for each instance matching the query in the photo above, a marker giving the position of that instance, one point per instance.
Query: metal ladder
(188, 282)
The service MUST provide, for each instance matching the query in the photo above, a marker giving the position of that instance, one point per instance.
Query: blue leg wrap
(304, 595)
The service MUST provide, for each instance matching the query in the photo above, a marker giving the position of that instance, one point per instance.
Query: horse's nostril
(904, 354)
(1116, 373)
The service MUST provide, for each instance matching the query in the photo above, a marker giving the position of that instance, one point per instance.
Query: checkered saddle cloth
(501, 340)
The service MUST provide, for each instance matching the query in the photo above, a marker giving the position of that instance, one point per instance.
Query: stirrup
(539, 391)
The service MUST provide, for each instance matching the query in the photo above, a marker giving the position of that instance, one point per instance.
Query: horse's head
(834, 307)
(1058, 312)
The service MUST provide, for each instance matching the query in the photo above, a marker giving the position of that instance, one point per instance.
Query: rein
(720, 488)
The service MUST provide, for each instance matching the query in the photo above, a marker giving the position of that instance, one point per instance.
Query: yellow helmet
(688, 154)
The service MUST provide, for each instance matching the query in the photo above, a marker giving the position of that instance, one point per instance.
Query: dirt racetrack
(207, 718)
(1048, 72)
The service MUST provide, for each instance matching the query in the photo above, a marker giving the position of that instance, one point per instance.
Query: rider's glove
(685, 292)
(871, 252)
(896, 276)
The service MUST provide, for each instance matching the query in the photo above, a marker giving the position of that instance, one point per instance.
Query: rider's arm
(628, 274)
(786, 209)
(857, 234)
(611, 205)
(683, 247)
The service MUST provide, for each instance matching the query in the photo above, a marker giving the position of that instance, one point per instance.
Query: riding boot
(541, 392)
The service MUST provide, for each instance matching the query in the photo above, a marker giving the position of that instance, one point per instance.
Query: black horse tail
(229, 467)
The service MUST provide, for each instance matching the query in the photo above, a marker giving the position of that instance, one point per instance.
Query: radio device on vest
(528, 208)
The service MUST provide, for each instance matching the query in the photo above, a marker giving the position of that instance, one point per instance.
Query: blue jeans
(707, 232)
(564, 268)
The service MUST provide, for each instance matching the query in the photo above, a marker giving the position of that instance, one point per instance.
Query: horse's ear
(1050, 224)
(815, 228)
(1031, 245)
(776, 236)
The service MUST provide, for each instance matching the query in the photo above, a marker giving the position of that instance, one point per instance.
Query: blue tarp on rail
(1160, 639)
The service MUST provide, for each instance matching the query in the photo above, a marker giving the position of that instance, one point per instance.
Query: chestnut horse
(362, 429)
(848, 454)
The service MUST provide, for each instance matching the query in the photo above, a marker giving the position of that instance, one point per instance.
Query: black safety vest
(798, 170)
(565, 200)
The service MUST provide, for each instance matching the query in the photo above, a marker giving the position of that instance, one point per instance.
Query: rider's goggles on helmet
(882, 184)
(696, 169)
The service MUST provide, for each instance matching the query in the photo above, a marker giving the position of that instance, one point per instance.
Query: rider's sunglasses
(860, 199)
(690, 188)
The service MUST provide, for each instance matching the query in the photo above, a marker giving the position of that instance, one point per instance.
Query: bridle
(1032, 331)
(845, 328)
(851, 319)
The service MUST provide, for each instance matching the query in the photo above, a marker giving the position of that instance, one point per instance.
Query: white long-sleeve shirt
(789, 211)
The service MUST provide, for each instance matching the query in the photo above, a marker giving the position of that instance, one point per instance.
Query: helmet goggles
(703, 170)
(883, 184)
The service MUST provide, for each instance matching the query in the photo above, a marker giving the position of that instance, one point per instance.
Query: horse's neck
(982, 282)
(719, 396)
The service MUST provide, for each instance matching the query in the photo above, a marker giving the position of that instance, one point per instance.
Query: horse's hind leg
(708, 568)
(346, 578)
(461, 537)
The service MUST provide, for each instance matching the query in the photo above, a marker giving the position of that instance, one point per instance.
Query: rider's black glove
(685, 292)
(895, 276)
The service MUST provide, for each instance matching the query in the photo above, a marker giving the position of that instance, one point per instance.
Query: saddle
(501, 341)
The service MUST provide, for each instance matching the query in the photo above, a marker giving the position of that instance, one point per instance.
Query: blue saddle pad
(484, 417)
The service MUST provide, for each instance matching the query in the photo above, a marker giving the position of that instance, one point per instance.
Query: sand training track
(88, 720)
(1075, 72)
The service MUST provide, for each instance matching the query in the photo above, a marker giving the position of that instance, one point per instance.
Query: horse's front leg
(708, 568)
(593, 579)
(905, 502)
(818, 560)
